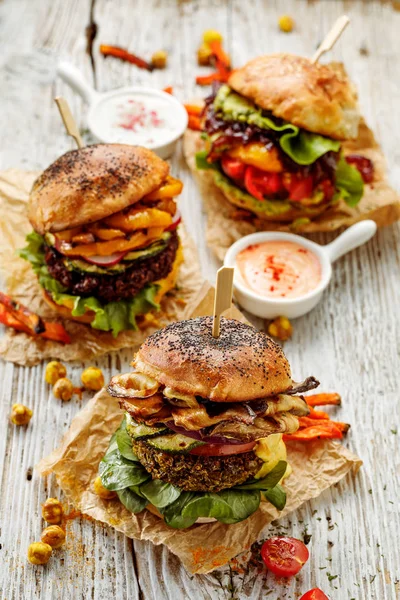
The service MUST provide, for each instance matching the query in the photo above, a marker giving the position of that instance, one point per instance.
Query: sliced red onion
(176, 219)
(197, 435)
(105, 261)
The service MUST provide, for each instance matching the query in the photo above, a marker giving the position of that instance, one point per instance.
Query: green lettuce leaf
(181, 509)
(349, 182)
(303, 147)
(113, 316)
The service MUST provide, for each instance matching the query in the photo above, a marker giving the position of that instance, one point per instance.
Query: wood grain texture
(350, 342)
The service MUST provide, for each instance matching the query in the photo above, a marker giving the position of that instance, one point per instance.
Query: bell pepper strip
(52, 331)
(323, 399)
(83, 238)
(139, 219)
(20, 312)
(126, 56)
(194, 123)
(324, 430)
(172, 187)
(104, 234)
(106, 248)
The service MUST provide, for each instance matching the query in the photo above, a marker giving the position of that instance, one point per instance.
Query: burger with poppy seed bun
(105, 246)
(273, 138)
(204, 418)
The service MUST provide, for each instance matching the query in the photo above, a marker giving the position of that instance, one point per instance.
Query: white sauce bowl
(269, 308)
(102, 111)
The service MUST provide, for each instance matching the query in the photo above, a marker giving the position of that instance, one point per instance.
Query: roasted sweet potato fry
(318, 414)
(323, 430)
(323, 399)
(194, 123)
(310, 422)
(221, 56)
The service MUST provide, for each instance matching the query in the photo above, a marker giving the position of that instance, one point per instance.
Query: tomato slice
(222, 449)
(328, 188)
(233, 167)
(284, 556)
(302, 189)
(314, 594)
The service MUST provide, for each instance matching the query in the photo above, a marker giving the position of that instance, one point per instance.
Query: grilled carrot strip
(20, 312)
(123, 54)
(323, 399)
(52, 331)
(193, 109)
(194, 123)
(221, 56)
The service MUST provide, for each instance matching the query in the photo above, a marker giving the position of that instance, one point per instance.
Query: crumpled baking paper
(380, 201)
(20, 282)
(201, 548)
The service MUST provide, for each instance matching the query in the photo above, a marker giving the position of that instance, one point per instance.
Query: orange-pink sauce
(279, 269)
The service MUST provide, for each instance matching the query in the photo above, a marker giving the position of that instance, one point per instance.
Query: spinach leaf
(277, 497)
(125, 443)
(242, 504)
(268, 482)
(208, 505)
(117, 472)
(131, 501)
(159, 493)
(173, 513)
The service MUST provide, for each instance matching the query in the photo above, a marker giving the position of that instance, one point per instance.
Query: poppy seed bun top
(242, 364)
(313, 96)
(89, 184)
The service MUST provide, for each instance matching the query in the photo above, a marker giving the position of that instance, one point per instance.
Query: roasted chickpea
(54, 371)
(101, 491)
(280, 328)
(52, 511)
(211, 35)
(204, 55)
(63, 389)
(93, 379)
(20, 414)
(286, 23)
(39, 553)
(54, 536)
(159, 59)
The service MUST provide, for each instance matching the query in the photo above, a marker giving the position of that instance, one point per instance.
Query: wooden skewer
(223, 296)
(332, 37)
(68, 120)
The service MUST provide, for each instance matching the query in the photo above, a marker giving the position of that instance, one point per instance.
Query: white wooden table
(350, 342)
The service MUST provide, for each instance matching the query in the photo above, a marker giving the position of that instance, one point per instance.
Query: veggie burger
(105, 247)
(274, 136)
(204, 418)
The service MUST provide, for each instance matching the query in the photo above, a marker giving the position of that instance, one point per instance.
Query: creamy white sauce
(134, 118)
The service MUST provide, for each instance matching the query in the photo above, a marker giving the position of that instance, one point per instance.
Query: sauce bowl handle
(75, 80)
(354, 236)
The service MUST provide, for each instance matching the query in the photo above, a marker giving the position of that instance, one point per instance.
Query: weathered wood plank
(350, 342)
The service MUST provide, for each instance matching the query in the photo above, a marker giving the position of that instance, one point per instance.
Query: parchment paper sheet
(202, 548)
(380, 201)
(20, 282)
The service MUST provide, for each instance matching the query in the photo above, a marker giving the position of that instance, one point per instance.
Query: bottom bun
(200, 520)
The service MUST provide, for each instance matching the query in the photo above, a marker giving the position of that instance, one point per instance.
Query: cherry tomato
(222, 449)
(301, 189)
(284, 556)
(314, 594)
(233, 167)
